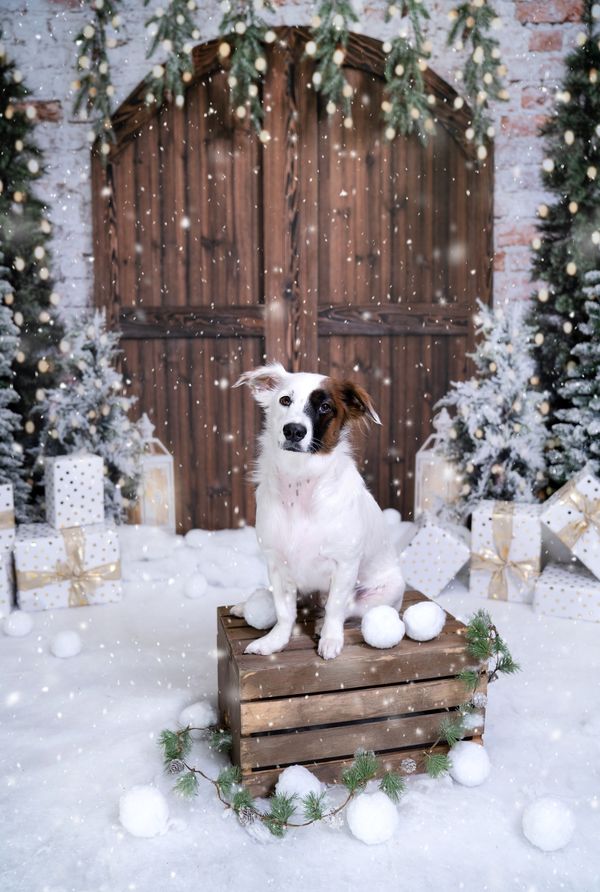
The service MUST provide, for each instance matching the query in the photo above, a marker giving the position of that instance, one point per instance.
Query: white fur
(318, 526)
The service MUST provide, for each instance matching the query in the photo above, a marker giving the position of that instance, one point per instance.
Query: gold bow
(82, 582)
(589, 509)
(7, 519)
(497, 562)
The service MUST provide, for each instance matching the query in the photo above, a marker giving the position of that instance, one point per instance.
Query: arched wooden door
(328, 249)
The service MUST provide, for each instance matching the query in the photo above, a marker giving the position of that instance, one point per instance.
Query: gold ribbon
(82, 582)
(589, 509)
(496, 561)
(7, 519)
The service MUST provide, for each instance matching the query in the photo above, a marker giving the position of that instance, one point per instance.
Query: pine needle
(392, 785)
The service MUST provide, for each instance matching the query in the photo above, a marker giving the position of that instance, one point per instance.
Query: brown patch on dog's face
(332, 406)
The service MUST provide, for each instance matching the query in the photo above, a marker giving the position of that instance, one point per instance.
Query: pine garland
(406, 106)
(174, 31)
(483, 71)
(330, 35)
(245, 32)
(95, 90)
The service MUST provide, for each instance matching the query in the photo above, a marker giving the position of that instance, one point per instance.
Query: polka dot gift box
(6, 583)
(573, 514)
(74, 490)
(67, 568)
(506, 548)
(571, 592)
(436, 553)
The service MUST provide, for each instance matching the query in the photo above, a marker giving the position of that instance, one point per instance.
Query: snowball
(195, 586)
(548, 824)
(424, 621)
(391, 517)
(198, 715)
(65, 644)
(372, 818)
(17, 624)
(470, 763)
(259, 609)
(299, 781)
(143, 811)
(382, 627)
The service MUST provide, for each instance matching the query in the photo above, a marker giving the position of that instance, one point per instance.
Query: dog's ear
(263, 380)
(358, 402)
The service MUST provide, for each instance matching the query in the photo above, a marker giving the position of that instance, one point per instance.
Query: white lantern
(437, 482)
(156, 495)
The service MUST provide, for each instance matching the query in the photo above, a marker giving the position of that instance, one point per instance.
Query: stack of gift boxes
(507, 541)
(72, 559)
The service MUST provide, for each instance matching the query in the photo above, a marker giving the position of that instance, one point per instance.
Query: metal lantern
(437, 482)
(156, 495)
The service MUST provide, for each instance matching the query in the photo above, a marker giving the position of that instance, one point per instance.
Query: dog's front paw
(331, 647)
(268, 644)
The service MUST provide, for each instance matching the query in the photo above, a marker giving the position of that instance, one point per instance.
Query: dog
(319, 527)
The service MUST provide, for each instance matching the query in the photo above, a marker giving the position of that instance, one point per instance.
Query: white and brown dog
(319, 527)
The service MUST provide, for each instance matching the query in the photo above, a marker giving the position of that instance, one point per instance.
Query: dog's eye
(285, 401)
(324, 408)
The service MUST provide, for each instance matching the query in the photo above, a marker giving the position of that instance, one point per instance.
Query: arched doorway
(328, 249)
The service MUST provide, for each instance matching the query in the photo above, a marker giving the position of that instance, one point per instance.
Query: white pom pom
(470, 763)
(296, 780)
(392, 517)
(372, 818)
(548, 824)
(65, 645)
(195, 586)
(198, 715)
(143, 811)
(259, 609)
(17, 624)
(382, 627)
(424, 621)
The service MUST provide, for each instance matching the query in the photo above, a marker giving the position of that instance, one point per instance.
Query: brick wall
(535, 36)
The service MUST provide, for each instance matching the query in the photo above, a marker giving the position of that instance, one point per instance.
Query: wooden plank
(197, 322)
(228, 692)
(338, 741)
(319, 709)
(262, 782)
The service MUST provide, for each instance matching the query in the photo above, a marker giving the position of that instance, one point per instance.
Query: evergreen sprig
(330, 35)
(219, 740)
(245, 33)
(187, 784)
(94, 87)
(313, 806)
(437, 764)
(282, 809)
(363, 769)
(229, 778)
(392, 784)
(174, 31)
(483, 71)
(406, 106)
(242, 800)
(486, 645)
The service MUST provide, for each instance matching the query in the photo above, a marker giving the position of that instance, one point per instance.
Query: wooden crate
(296, 708)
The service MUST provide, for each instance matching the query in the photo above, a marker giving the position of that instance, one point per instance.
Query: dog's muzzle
(294, 434)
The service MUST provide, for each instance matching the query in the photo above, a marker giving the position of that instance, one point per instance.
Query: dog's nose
(294, 432)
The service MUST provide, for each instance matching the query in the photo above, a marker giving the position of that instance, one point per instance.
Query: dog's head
(307, 413)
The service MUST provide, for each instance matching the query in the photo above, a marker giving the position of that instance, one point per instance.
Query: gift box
(506, 544)
(7, 583)
(568, 591)
(74, 490)
(573, 515)
(66, 568)
(435, 554)
(7, 517)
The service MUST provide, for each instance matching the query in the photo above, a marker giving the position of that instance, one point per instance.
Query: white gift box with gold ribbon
(7, 517)
(568, 591)
(506, 544)
(66, 568)
(435, 554)
(74, 487)
(7, 583)
(573, 514)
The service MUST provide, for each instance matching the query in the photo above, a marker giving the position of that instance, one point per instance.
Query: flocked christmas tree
(88, 409)
(498, 433)
(11, 452)
(576, 433)
(24, 236)
(569, 227)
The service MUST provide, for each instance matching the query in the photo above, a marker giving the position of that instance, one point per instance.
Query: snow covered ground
(76, 733)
